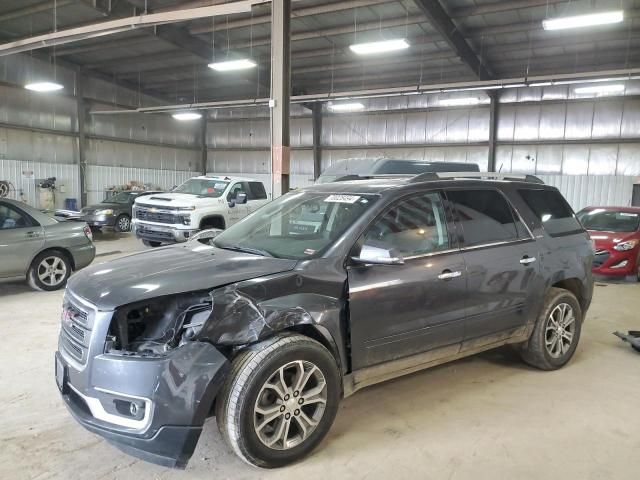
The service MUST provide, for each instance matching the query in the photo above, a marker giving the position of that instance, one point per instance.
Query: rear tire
(279, 400)
(49, 271)
(556, 332)
(149, 243)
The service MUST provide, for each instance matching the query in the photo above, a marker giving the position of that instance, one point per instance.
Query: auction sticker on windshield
(342, 198)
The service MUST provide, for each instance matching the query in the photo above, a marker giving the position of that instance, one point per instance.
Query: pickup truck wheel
(556, 332)
(123, 223)
(149, 243)
(279, 400)
(49, 271)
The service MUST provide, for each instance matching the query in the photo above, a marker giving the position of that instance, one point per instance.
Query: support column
(81, 114)
(203, 142)
(493, 131)
(316, 110)
(280, 96)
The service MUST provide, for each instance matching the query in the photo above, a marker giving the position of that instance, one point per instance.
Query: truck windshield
(203, 187)
(122, 197)
(609, 220)
(297, 225)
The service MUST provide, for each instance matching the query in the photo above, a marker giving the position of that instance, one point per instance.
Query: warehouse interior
(144, 94)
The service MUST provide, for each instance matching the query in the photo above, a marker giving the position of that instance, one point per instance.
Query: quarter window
(553, 211)
(257, 191)
(414, 226)
(485, 216)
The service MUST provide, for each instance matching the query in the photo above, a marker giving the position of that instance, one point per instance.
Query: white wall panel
(26, 187)
(584, 190)
(100, 177)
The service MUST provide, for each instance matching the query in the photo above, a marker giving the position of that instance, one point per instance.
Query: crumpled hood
(169, 270)
(607, 240)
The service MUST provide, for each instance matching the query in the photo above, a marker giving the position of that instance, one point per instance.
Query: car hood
(606, 240)
(177, 200)
(169, 270)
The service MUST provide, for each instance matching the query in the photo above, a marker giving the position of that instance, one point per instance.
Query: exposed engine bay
(223, 317)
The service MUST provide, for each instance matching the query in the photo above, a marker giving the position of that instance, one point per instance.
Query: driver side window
(235, 190)
(11, 218)
(415, 226)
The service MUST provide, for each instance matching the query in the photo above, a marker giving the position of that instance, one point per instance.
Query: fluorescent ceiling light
(456, 102)
(44, 87)
(184, 116)
(346, 107)
(580, 21)
(379, 47)
(229, 65)
(601, 89)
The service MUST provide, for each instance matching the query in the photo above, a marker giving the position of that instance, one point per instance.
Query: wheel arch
(62, 250)
(215, 221)
(576, 287)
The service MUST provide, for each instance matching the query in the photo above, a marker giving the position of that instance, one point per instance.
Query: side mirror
(241, 198)
(232, 203)
(378, 256)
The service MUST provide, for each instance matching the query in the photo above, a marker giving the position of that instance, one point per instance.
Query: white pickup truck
(199, 203)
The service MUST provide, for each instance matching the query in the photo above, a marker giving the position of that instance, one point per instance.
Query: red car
(616, 234)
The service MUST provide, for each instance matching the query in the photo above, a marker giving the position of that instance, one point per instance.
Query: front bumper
(615, 263)
(99, 220)
(173, 395)
(161, 233)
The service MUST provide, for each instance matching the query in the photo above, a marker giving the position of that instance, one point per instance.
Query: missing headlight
(158, 325)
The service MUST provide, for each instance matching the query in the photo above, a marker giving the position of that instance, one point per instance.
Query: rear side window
(485, 216)
(553, 211)
(257, 191)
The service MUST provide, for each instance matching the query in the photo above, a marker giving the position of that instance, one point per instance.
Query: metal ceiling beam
(500, 7)
(111, 27)
(32, 9)
(112, 45)
(333, 7)
(440, 20)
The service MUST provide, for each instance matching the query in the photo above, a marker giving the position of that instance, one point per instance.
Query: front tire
(556, 332)
(49, 271)
(279, 400)
(123, 223)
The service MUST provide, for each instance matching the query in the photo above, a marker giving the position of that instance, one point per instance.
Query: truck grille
(158, 217)
(154, 234)
(75, 332)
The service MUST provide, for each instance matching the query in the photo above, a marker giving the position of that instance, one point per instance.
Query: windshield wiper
(238, 248)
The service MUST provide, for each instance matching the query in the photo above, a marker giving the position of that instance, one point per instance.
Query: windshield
(298, 225)
(609, 220)
(122, 197)
(203, 187)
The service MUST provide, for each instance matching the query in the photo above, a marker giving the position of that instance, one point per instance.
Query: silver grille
(75, 334)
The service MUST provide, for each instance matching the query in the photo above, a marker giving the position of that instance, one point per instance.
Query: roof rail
(431, 176)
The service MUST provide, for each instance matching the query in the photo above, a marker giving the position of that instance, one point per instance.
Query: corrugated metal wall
(584, 190)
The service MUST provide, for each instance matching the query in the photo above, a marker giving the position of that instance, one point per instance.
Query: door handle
(527, 260)
(448, 275)
(32, 234)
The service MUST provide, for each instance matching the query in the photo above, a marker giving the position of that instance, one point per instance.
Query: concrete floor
(484, 417)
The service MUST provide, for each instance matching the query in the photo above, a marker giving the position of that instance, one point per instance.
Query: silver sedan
(34, 245)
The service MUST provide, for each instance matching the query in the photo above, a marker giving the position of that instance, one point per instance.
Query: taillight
(88, 233)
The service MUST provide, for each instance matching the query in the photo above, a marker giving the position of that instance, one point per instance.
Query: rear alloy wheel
(123, 223)
(49, 271)
(556, 332)
(279, 400)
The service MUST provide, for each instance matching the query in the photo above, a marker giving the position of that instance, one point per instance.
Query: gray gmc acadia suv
(326, 290)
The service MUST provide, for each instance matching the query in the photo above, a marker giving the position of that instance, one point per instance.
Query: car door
(20, 239)
(501, 258)
(236, 213)
(404, 309)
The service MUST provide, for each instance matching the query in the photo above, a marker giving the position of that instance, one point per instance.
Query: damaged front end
(153, 368)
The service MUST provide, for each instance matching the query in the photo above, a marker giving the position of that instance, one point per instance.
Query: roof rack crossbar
(430, 176)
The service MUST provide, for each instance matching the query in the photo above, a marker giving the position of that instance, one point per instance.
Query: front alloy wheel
(290, 405)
